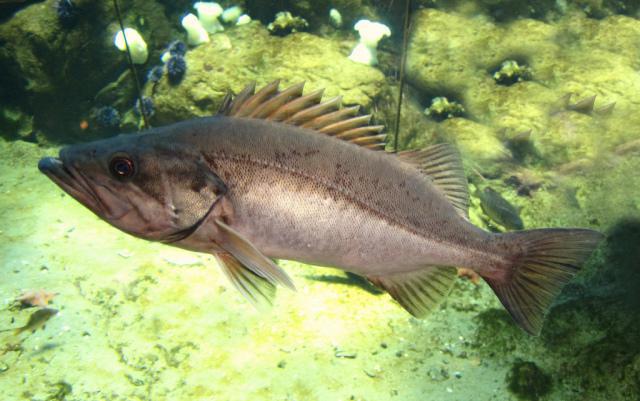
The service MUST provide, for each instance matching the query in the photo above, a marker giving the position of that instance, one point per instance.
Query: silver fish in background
(279, 174)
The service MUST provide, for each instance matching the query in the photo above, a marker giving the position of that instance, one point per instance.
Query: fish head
(141, 184)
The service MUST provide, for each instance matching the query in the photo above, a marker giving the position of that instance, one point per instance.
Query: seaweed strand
(403, 61)
(143, 111)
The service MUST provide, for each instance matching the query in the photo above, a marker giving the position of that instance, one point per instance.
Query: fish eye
(121, 166)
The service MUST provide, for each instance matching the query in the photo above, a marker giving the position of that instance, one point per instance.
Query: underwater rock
(316, 12)
(40, 59)
(452, 53)
(477, 144)
(67, 13)
(592, 328)
(16, 124)
(527, 381)
(607, 8)
(507, 10)
(250, 53)
(595, 323)
(416, 131)
(521, 145)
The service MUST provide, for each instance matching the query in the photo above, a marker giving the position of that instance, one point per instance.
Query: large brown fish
(281, 175)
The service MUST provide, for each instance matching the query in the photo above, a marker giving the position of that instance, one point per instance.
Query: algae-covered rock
(527, 381)
(454, 53)
(592, 327)
(248, 53)
(316, 12)
(606, 8)
(53, 71)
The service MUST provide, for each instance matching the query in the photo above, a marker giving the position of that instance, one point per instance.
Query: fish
(499, 209)
(278, 174)
(38, 319)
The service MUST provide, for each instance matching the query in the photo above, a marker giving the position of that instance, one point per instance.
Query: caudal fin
(543, 261)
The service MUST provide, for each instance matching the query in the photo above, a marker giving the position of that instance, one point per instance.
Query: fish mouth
(72, 182)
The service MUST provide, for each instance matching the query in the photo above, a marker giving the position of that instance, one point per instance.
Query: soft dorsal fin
(442, 164)
(289, 106)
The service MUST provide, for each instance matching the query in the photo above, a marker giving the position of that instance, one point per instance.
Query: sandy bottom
(144, 321)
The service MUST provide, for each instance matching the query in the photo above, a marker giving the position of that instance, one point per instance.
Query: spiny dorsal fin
(419, 292)
(443, 165)
(291, 107)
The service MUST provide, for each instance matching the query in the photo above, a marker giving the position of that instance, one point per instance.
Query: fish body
(281, 175)
(499, 209)
(307, 197)
(37, 320)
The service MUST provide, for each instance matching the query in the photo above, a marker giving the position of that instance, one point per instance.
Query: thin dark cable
(403, 61)
(143, 111)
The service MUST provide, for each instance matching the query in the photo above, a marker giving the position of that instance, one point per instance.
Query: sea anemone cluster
(173, 59)
(176, 65)
(511, 72)
(177, 48)
(285, 23)
(155, 74)
(147, 106)
(107, 117)
(67, 13)
(442, 108)
(176, 68)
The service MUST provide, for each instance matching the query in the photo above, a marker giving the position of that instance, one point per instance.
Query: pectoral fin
(259, 291)
(247, 259)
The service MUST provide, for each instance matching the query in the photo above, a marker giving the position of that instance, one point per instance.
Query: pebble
(344, 354)
(125, 254)
(182, 260)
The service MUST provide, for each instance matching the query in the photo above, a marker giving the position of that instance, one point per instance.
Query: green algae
(255, 56)
(528, 381)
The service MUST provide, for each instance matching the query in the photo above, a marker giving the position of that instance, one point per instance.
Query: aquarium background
(541, 97)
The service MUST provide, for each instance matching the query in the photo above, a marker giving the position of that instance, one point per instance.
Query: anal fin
(420, 291)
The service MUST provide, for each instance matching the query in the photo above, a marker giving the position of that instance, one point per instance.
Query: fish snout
(48, 165)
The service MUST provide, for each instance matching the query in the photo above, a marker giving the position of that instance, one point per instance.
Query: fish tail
(540, 263)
